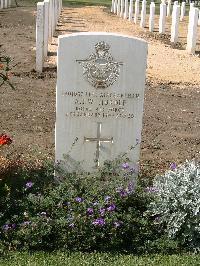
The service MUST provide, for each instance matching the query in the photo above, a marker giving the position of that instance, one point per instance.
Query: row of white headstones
(48, 13)
(5, 4)
(125, 9)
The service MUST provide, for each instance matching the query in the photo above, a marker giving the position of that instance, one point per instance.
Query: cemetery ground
(171, 115)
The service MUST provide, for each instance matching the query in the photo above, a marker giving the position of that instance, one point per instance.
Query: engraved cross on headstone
(98, 140)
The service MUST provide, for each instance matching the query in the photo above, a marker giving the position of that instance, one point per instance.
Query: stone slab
(99, 97)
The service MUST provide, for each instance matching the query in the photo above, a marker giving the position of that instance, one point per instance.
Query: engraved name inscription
(101, 105)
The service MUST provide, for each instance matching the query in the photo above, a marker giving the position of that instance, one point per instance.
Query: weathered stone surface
(100, 94)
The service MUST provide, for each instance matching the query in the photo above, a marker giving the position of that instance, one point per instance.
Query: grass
(87, 3)
(96, 259)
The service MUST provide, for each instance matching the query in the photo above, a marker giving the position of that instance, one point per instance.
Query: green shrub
(15, 187)
(5, 71)
(177, 203)
(104, 210)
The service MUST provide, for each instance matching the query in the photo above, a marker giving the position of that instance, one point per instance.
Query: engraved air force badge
(100, 69)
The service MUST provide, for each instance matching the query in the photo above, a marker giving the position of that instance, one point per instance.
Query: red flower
(5, 140)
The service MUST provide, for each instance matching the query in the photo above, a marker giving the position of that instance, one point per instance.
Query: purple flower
(29, 184)
(6, 227)
(111, 208)
(90, 211)
(123, 193)
(117, 224)
(131, 188)
(107, 198)
(78, 199)
(71, 225)
(134, 168)
(173, 166)
(125, 165)
(102, 211)
(13, 226)
(151, 189)
(99, 222)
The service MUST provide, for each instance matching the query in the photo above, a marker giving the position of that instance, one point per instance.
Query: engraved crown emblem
(102, 46)
(100, 69)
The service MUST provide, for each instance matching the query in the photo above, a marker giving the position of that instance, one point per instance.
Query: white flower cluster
(177, 203)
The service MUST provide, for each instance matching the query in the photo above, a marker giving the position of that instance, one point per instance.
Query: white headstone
(2, 5)
(46, 26)
(59, 10)
(137, 11)
(60, 6)
(126, 9)
(191, 5)
(56, 13)
(112, 6)
(130, 12)
(99, 98)
(50, 20)
(118, 7)
(169, 4)
(182, 11)
(151, 16)
(115, 7)
(143, 14)
(40, 37)
(53, 17)
(192, 30)
(122, 8)
(175, 23)
(162, 18)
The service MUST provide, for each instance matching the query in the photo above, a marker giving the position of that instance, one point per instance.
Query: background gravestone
(99, 98)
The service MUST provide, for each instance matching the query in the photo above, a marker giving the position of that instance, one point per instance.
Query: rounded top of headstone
(100, 34)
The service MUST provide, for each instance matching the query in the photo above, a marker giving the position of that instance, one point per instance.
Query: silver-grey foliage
(177, 203)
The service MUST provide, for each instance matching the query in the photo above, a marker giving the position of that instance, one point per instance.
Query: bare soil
(171, 124)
